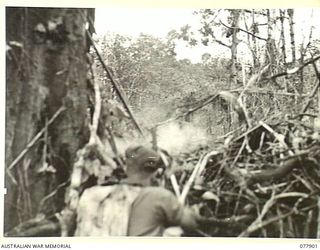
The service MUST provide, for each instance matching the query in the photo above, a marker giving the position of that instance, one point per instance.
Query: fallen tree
(272, 183)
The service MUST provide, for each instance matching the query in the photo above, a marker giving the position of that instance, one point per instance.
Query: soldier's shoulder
(158, 191)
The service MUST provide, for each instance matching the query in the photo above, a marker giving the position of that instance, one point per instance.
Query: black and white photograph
(162, 122)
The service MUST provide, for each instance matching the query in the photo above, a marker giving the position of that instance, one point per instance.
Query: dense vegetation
(241, 130)
(257, 105)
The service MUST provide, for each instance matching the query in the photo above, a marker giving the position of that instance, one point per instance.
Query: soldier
(155, 208)
(133, 207)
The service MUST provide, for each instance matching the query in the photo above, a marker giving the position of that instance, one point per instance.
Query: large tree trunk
(46, 70)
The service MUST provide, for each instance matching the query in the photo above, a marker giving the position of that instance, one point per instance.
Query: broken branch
(245, 31)
(294, 70)
(32, 142)
(190, 111)
(314, 91)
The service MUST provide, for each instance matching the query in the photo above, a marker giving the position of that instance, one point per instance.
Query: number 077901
(308, 246)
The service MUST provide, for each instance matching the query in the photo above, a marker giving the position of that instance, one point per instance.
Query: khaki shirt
(153, 211)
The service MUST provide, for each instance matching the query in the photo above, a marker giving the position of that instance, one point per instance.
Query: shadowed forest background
(242, 130)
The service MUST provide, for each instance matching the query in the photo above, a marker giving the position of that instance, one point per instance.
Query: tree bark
(292, 39)
(271, 50)
(254, 31)
(235, 25)
(282, 37)
(235, 14)
(46, 70)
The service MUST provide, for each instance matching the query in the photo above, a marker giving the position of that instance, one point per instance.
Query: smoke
(177, 138)
(123, 143)
(173, 137)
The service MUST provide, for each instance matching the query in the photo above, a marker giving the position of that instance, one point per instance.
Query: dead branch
(314, 91)
(255, 12)
(94, 139)
(198, 169)
(236, 105)
(45, 230)
(175, 185)
(278, 136)
(207, 221)
(274, 174)
(221, 43)
(239, 153)
(258, 220)
(266, 92)
(190, 181)
(206, 101)
(38, 226)
(294, 70)
(53, 193)
(265, 223)
(254, 79)
(249, 131)
(245, 31)
(32, 142)
(288, 164)
(97, 111)
(260, 224)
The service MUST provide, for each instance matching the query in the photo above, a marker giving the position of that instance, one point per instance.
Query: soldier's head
(143, 161)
